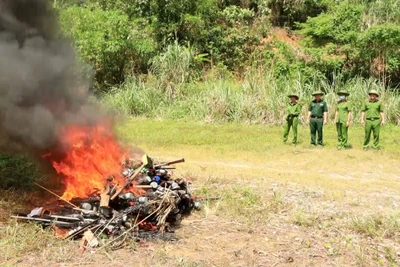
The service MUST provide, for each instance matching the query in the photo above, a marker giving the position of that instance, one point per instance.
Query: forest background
(235, 60)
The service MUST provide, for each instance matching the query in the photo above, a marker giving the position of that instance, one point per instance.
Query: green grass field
(155, 134)
(279, 204)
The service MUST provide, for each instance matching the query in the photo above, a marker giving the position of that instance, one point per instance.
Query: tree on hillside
(341, 35)
(289, 12)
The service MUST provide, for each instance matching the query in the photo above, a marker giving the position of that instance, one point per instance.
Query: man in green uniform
(372, 117)
(292, 119)
(343, 117)
(317, 117)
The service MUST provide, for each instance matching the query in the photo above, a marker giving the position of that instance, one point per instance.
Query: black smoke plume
(41, 85)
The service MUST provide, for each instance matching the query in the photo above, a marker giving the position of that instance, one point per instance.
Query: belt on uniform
(316, 117)
(372, 119)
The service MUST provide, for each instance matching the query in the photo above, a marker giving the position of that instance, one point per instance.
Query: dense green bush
(120, 38)
(102, 39)
(289, 12)
(343, 38)
(380, 51)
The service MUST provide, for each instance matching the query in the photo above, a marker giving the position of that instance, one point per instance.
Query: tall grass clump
(258, 97)
(135, 98)
(19, 241)
(176, 66)
(377, 225)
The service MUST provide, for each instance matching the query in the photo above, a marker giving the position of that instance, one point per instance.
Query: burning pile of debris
(147, 200)
(46, 110)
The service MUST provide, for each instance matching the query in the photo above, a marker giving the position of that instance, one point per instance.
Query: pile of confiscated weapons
(149, 200)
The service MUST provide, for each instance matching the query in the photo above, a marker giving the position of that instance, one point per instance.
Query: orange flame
(60, 232)
(92, 155)
(148, 226)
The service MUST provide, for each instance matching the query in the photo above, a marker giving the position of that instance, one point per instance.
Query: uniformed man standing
(372, 117)
(317, 117)
(293, 110)
(343, 118)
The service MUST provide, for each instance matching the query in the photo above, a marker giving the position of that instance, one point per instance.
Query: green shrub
(102, 39)
(380, 52)
(17, 171)
(344, 39)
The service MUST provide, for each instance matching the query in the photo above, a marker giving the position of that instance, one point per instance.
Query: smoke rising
(41, 87)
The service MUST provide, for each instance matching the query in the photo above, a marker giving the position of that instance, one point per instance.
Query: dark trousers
(316, 126)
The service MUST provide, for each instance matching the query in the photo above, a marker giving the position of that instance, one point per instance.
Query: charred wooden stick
(128, 181)
(205, 198)
(143, 186)
(66, 218)
(169, 163)
(145, 162)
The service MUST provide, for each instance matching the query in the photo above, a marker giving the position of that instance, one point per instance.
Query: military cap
(294, 95)
(373, 92)
(317, 93)
(343, 92)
